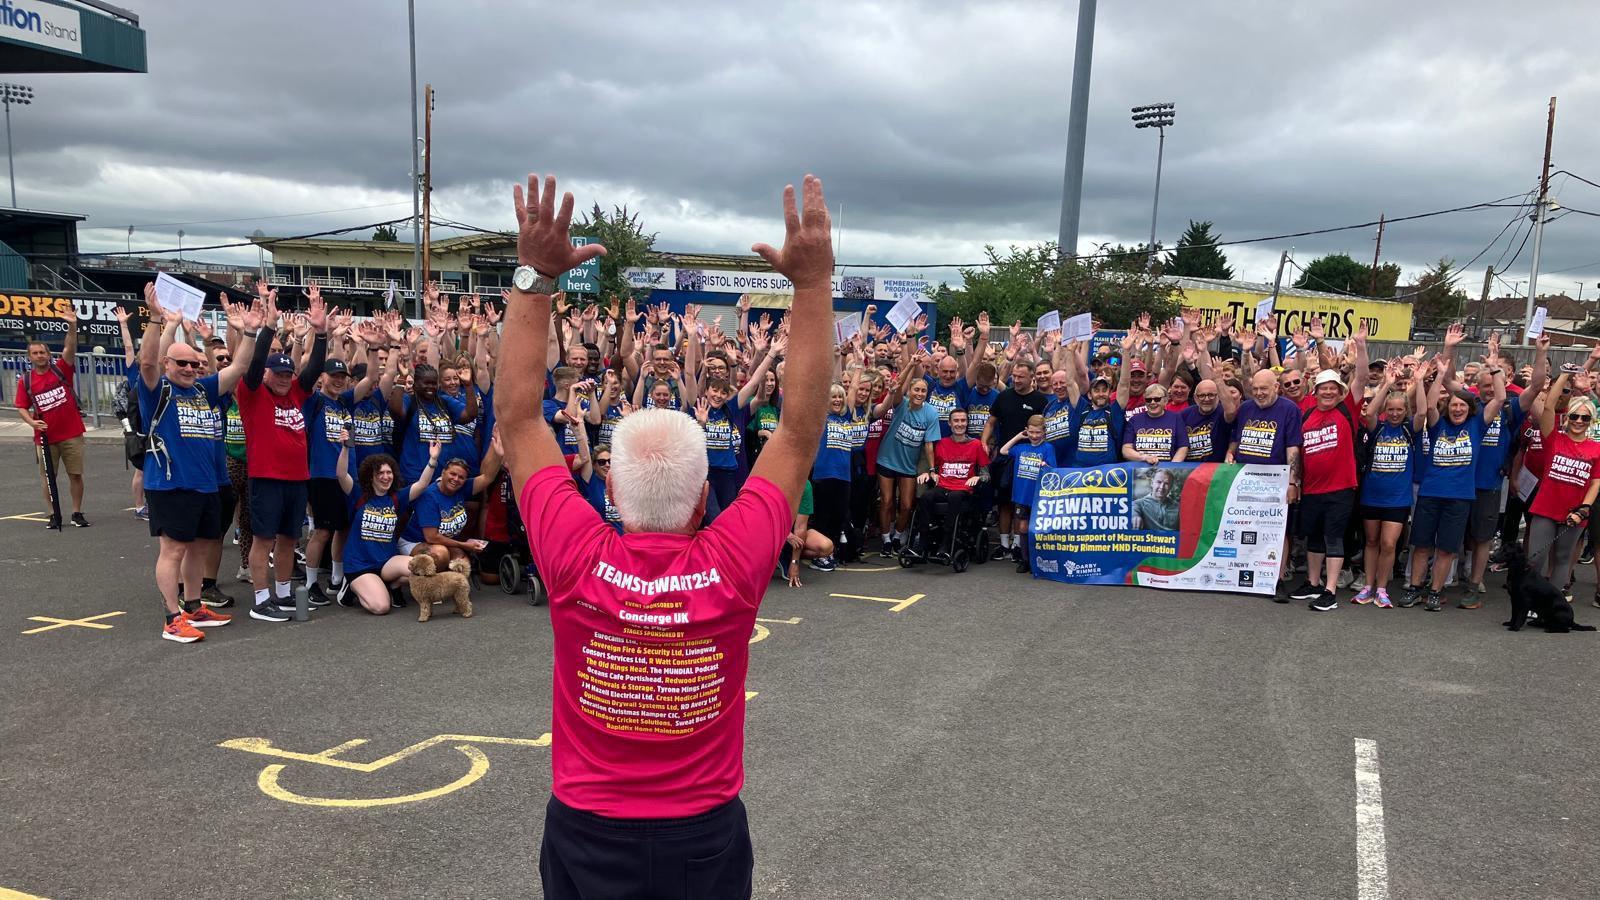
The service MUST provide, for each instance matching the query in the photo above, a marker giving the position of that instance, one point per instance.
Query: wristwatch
(529, 280)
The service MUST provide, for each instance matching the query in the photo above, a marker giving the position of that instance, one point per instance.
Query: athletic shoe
(824, 564)
(1412, 595)
(1434, 603)
(1470, 602)
(268, 612)
(1022, 566)
(1325, 601)
(888, 550)
(346, 595)
(1566, 592)
(1587, 556)
(1278, 596)
(1347, 577)
(205, 618)
(1000, 553)
(54, 524)
(1383, 601)
(243, 575)
(397, 597)
(236, 535)
(215, 598)
(1306, 591)
(1363, 597)
(317, 598)
(142, 513)
(181, 631)
(78, 521)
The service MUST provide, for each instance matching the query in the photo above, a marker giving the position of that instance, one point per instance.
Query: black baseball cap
(335, 367)
(278, 362)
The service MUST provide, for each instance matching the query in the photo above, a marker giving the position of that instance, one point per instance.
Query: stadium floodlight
(1158, 116)
(21, 95)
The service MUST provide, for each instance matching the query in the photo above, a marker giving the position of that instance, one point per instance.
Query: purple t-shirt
(1208, 434)
(1265, 435)
(1162, 436)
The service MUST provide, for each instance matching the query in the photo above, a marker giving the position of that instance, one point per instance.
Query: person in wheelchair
(959, 464)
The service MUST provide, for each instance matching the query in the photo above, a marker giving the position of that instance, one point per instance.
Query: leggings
(1550, 548)
(830, 507)
(241, 489)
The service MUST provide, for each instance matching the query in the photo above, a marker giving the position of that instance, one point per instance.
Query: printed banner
(1179, 526)
(37, 315)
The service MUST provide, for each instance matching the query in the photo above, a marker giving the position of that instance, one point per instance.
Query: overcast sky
(939, 126)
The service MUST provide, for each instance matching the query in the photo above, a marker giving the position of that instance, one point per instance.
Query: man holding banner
(46, 402)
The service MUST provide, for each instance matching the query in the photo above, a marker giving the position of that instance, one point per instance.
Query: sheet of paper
(1050, 321)
(174, 294)
(846, 328)
(388, 297)
(1336, 346)
(1536, 325)
(903, 313)
(1526, 482)
(1264, 309)
(1078, 328)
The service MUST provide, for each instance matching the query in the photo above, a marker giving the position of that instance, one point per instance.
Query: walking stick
(49, 471)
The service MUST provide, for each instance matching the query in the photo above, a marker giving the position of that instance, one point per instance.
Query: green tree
(1338, 273)
(1129, 259)
(1026, 282)
(627, 245)
(385, 233)
(1197, 254)
(1436, 301)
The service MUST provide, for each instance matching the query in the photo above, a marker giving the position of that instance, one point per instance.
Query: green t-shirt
(805, 501)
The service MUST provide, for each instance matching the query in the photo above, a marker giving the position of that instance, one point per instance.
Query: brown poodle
(430, 586)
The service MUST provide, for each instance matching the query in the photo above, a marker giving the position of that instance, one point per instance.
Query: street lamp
(180, 248)
(1158, 116)
(22, 95)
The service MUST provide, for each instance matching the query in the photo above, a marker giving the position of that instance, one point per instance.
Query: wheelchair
(508, 553)
(965, 536)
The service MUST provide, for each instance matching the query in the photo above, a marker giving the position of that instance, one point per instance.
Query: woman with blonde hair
(1567, 490)
(1385, 496)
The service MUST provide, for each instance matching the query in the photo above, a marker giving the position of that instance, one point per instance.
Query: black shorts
(1440, 524)
(1386, 513)
(183, 515)
(352, 576)
(330, 509)
(585, 855)
(886, 472)
(1000, 477)
(227, 504)
(1323, 520)
(1485, 521)
(277, 508)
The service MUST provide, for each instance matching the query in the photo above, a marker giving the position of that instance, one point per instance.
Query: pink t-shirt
(652, 642)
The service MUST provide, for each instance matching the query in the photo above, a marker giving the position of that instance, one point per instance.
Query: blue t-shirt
(436, 509)
(945, 399)
(1498, 439)
(221, 456)
(608, 425)
(979, 404)
(1058, 426)
(324, 420)
(1097, 433)
(1207, 434)
(567, 434)
(594, 491)
(1453, 454)
(432, 422)
(1387, 483)
(189, 431)
(1162, 436)
(725, 434)
(1027, 463)
(466, 444)
(901, 448)
(367, 418)
(833, 450)
(1265, 435)
(373, 525)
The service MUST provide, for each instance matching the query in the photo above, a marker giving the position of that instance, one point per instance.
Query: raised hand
(702, 410)
(316, 311)
(780, 344)
(807, 255)
(543, 223)
(123, 315)
(1301, 339)
(204, 329)
(1318, 329)
(1454, 335)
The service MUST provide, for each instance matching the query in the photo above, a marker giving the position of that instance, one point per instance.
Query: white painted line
(1372, 862)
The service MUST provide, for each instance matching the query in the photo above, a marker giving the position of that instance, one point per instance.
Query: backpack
(150, 442)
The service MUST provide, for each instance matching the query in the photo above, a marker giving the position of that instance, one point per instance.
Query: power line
(1577, 176)
(297, 237)
(318, 212)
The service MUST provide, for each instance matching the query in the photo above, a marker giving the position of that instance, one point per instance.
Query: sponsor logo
(1224, 552)
(1048, 565)
(1247, 578)
(1248, 537)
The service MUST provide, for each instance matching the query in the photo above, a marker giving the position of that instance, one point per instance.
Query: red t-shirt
(652, 642)
(1328, 446)
(274, 431)
(956, 462)
(1533, 456)
(1569, 466)
(58, 406)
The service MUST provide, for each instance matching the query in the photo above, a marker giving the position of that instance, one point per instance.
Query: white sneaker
(243, 575)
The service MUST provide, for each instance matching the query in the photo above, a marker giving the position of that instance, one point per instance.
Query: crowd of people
(352, 445)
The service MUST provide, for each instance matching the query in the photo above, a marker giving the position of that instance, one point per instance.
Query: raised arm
(807, 261)
(130, 356)
(1547, 415)
(243, 346)
(426, 477)
(69, 349)
(1435, 393)
(490, 467)
(542, 242)
(150, 350)
(1492, 406)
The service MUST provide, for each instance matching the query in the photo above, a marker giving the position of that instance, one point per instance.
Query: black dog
(1532, 593)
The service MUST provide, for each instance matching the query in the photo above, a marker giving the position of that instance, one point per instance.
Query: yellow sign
(1386, 320)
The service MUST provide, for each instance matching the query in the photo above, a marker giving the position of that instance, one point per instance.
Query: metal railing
(100, 377)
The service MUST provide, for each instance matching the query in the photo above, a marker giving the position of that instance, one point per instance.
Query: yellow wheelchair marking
(89, 622)
(898, 606)
(762, 632)
(268, 780)
(8, 894)
(26, 517)
(869, 568)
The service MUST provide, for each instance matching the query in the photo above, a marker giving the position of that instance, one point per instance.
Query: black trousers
(830, 503)
(590, 857)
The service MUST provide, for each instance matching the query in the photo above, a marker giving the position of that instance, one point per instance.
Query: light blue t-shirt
(901, 449)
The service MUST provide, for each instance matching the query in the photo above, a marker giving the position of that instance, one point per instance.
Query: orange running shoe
(204, 617)
(181, 631)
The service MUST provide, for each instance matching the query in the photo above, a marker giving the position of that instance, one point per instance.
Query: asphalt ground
(998, 737)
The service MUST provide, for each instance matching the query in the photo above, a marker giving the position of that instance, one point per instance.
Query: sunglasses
(1295, 383)
(224, 360)
(186, 363)
(1579, 417)
(603, 462)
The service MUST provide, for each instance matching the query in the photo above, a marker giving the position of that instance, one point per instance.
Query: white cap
(1326, 376)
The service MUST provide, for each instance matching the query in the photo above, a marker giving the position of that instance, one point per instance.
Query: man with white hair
(652, 626)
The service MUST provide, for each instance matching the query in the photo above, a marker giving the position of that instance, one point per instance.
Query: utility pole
(1077, 128)
(1538, 221)
(416, 169)
(427, 185)
(1483, 299)
(1278, 281)
(1372, 283)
